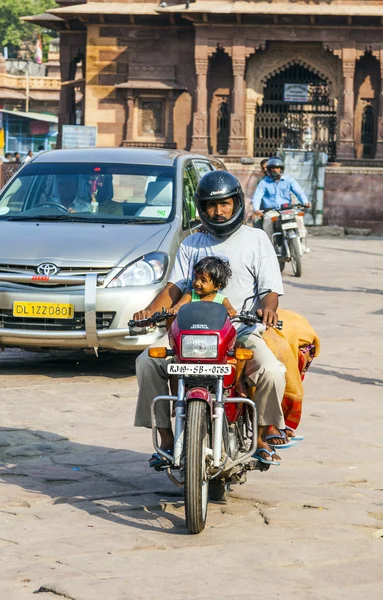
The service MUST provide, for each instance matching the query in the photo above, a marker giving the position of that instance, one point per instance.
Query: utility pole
(27, 88)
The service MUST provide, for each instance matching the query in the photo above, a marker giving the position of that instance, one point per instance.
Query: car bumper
(88, 300)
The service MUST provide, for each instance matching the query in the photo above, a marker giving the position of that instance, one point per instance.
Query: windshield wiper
(146, 221)
(65, 217)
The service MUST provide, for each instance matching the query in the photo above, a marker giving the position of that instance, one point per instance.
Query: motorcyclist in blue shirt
(274, 190)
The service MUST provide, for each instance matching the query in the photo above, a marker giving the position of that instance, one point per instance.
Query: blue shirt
(272, 194)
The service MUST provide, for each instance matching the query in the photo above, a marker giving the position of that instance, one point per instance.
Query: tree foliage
(20, 34)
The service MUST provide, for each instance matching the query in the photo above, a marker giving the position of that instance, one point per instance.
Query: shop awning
(31, 115)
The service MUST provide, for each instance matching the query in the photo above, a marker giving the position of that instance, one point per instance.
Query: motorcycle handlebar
(155, 320)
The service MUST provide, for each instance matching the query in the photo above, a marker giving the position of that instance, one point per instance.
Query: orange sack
(295, 346)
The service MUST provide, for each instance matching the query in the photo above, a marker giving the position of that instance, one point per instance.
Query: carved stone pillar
(200, 137)
(170, 119)
(346, 141)
(237, 140)
(379, 137)
(130, 105)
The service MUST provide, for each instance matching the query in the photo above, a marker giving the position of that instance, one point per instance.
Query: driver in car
(67, 194)
(255, 272)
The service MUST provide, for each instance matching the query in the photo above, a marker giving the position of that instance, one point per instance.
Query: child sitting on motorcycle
(210, 275)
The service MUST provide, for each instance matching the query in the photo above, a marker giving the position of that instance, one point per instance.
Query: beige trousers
(264, 371)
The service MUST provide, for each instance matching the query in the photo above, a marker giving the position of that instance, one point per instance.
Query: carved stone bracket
(252, 46)
(219, 44)
(334, 48)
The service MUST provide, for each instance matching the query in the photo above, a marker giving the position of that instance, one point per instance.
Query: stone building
(234, 78)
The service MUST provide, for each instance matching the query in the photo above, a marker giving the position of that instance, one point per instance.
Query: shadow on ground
(61, 364)
(116, 485)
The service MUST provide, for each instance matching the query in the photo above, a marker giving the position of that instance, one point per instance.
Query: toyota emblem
(47, 269)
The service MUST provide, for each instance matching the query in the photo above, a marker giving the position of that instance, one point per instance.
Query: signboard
(38, 128)
(296, 92)
(79, 136)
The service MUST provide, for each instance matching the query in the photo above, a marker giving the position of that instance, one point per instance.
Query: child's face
(203, 284)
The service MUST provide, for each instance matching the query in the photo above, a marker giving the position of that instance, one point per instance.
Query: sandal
(158, 461)
(296, 438)
(270, 453)
(282, 436)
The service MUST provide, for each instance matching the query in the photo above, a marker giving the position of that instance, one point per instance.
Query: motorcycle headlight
(199, 346)
(148, 269)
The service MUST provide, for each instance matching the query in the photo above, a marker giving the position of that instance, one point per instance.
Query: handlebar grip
(279, 325)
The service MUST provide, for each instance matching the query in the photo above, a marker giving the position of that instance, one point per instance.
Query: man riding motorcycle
(255, 272)
(273, 191)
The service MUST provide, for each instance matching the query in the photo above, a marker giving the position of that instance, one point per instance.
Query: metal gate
(309, 125)
(223, 122)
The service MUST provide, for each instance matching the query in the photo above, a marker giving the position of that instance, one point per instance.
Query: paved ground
(82, 517)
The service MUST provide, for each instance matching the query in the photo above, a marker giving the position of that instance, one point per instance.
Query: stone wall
(353, 197)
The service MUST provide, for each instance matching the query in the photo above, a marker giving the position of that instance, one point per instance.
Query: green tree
(20, 34)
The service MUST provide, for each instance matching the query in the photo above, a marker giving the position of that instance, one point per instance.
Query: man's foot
(281, 437)
(266, 457)
(265, 453)
(157, 461)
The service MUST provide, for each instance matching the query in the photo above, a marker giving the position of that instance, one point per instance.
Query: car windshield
(111, 193)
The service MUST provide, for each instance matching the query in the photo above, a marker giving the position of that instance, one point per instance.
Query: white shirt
(251, 257)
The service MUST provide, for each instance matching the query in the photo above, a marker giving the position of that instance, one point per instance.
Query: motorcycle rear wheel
(296, 259)
(198, 439)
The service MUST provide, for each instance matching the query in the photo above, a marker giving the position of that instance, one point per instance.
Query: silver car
(87, 238)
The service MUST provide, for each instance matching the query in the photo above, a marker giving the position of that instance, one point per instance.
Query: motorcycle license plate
(289, 226)
(179, 369)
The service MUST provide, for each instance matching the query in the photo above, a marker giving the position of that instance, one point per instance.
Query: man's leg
(152, 380)
(267, 374)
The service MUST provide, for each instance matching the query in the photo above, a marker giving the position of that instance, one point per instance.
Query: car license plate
(289, 226)
(43, 310)
(180, 369)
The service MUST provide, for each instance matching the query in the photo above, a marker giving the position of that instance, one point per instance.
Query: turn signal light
(301, 214)
(243, 354)
(158, 352)
(274, 219)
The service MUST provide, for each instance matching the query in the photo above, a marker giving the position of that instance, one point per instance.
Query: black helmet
(216, 186)
(275, 161)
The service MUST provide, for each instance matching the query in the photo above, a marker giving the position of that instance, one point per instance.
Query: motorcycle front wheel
(198, 440)
(296, 259)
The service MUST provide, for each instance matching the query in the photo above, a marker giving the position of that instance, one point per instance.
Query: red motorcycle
(215, 432)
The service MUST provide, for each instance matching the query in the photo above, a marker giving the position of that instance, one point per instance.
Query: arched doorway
(297, 112)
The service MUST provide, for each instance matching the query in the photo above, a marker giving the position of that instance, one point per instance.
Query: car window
(218, 166)
(202, 167)
(190, 183)
(98, 192)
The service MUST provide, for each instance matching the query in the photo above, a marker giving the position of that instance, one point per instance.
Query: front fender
(200, 393)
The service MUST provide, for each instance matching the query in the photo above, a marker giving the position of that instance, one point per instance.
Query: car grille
(8, 321)
(63, 272)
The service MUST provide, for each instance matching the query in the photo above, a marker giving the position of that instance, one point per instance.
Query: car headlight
(148, 269)
(199, 346)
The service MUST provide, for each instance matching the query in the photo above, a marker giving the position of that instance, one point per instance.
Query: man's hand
(142, 314)
(269, 316)
(169, 296)
(258, 213)
(268, 312)
(308, 205)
